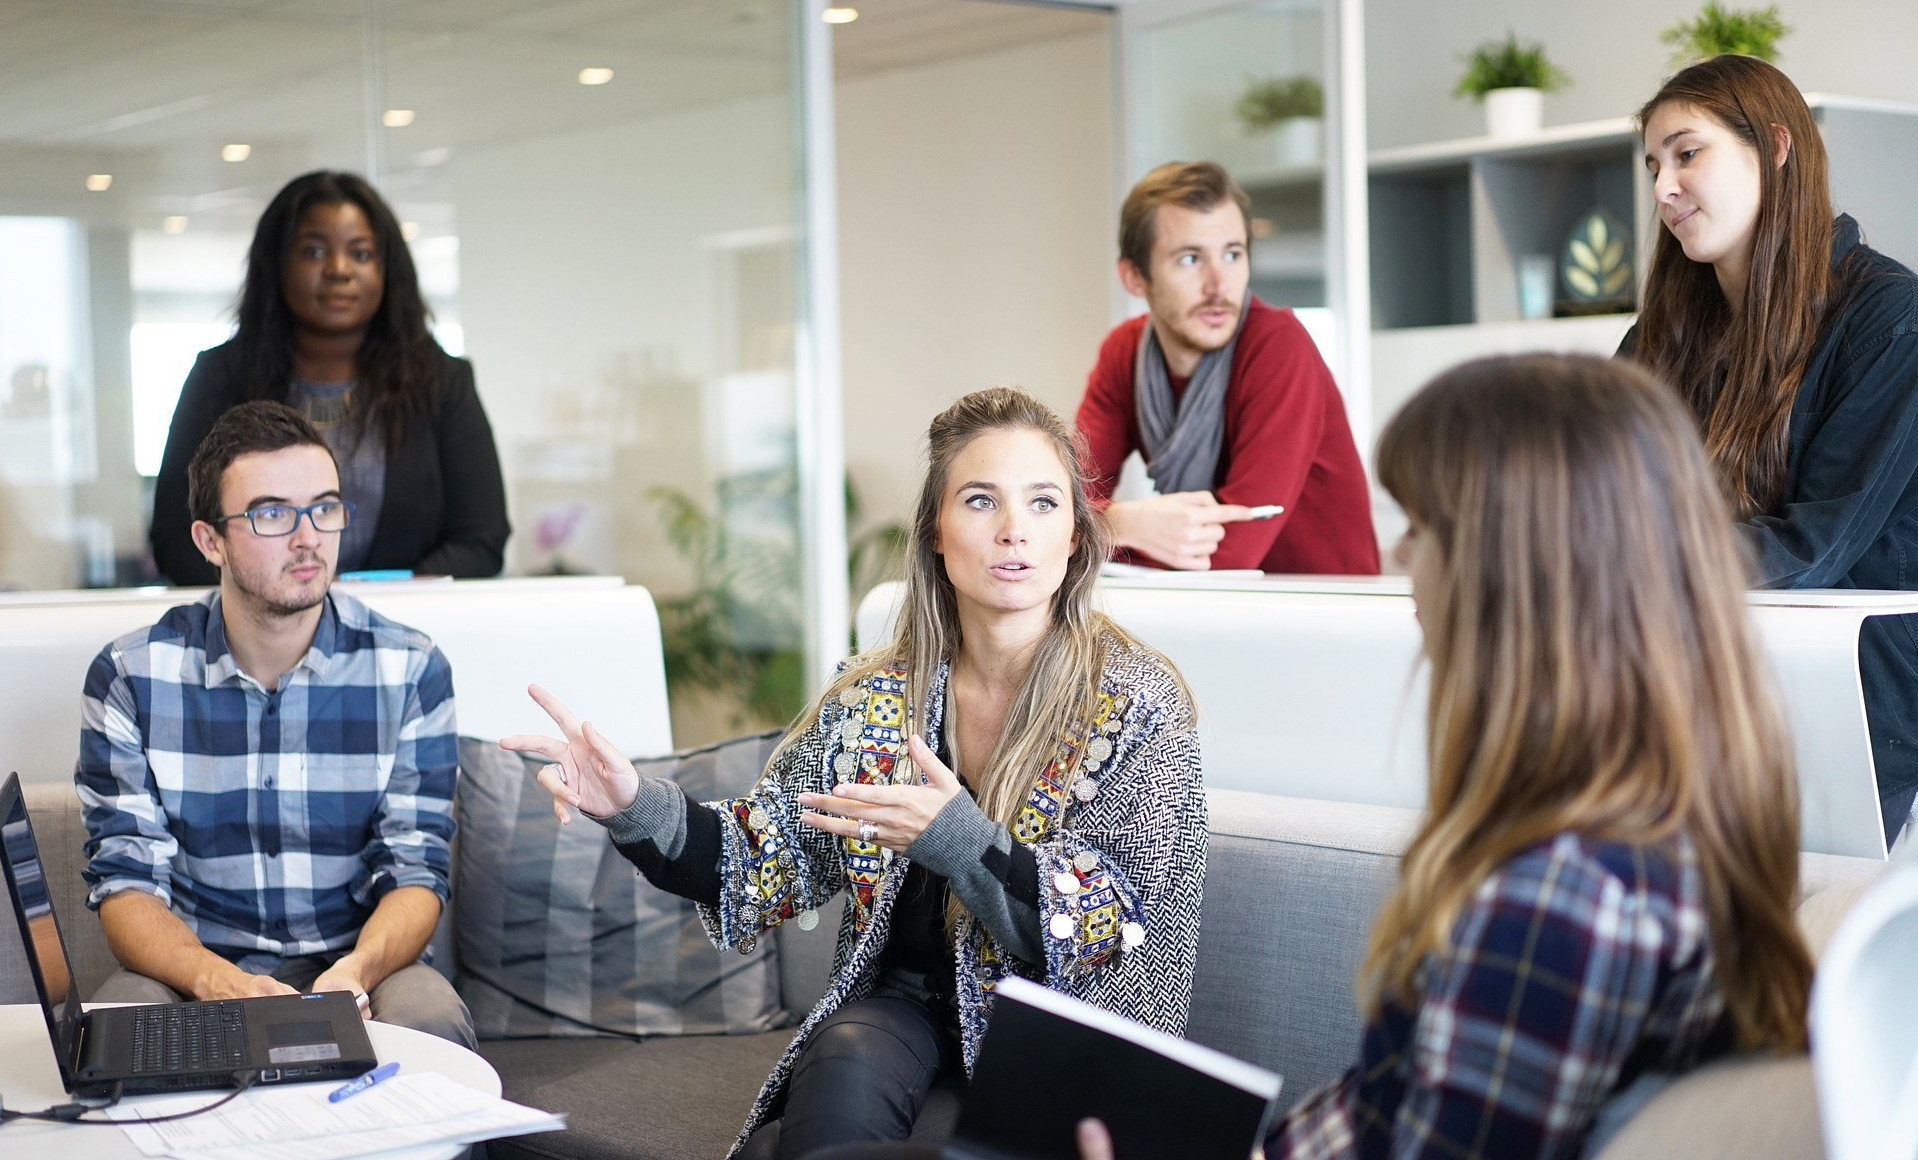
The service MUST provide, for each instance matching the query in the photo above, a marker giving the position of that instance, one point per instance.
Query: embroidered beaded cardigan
(1120, 845)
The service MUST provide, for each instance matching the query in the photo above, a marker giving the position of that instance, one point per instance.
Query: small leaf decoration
(1596, 262)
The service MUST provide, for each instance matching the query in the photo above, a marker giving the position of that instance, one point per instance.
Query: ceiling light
(99, 182)
(397, 118)
(235, 152)
(175, 224)
(410, 231)
(430, 157)
(839, 15)
(595, 76)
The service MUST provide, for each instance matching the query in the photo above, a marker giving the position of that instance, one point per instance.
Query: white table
(29, 1080)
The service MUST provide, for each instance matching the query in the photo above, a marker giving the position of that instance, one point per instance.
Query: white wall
(1612, 51)
(976, 242)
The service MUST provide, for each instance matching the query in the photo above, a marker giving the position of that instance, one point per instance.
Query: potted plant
(1512, 79)
(1289, 112)
(1718, 30)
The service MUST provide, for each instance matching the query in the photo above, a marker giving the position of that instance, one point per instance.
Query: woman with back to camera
(1600, 895)
(1796, 347)
(331, 322)
(1008, 785)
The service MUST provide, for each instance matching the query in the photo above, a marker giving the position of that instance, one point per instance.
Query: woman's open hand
(898, 814)
(586, 770)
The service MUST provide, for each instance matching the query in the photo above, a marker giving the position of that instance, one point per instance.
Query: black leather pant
(866, 1075)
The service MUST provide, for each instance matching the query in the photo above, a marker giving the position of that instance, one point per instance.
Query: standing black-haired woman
(1796, 347)
(331, 322)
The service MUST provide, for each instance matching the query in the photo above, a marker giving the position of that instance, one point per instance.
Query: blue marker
(383, 1071)
(376, 574)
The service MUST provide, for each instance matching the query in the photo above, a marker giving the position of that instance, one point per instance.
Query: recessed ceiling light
(595, 76)
(410, 231)
(397, 118)
(175, 224)
(99, 182)
(235, 152)
(837, 15)
(428, 157)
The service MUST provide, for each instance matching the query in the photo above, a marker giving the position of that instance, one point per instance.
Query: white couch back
(593, 641)
(1310, 687)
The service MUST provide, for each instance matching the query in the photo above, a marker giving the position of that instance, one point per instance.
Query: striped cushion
(560, 936)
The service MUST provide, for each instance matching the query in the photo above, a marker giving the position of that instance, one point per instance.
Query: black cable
(71, 1113)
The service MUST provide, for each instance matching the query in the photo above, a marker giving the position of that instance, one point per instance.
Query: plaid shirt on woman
(271, 822)
(1577, 966)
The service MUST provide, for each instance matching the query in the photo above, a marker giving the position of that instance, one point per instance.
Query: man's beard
(273, 605)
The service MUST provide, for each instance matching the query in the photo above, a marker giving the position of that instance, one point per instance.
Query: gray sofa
(1290, 893)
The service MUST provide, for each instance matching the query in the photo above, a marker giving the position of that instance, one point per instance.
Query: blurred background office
(628, 214)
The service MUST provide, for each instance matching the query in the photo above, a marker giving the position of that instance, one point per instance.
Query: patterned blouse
(1578, 966)
(1116, 825)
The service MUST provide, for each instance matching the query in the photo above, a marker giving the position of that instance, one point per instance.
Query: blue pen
(383, 1071)
(379, 574)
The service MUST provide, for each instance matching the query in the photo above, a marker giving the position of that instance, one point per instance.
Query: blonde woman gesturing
(1010, 785)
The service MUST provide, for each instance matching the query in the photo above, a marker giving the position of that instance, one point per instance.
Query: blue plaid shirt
(1577, 966)
(271, 822)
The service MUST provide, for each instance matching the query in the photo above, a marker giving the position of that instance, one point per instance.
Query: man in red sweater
(1225, 397)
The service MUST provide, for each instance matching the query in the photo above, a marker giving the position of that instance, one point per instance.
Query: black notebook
(1049, 1060)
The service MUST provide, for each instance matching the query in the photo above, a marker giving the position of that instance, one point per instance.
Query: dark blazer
(1849, 515)
(445, 506)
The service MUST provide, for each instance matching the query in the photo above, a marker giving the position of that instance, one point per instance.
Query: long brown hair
(1061, 686)
(1739, 365)
(1592, 666)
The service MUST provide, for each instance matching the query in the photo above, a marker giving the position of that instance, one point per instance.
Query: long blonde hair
(1592, 665)
(1061, 686)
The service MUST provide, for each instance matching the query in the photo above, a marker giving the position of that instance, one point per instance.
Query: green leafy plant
(1267, 102)
(1718, 30)
(739, 630)
(1509, 64)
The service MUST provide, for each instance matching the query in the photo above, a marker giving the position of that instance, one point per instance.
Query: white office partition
(593, 641)
(1312, 687)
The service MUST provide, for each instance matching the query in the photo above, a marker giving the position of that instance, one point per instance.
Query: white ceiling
(149, 90)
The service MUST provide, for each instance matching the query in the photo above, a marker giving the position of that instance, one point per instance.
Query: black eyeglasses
(279, 519)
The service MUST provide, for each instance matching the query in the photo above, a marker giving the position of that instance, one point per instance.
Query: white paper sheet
(298, 1123)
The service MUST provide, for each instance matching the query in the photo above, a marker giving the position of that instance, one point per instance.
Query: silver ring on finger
(867, 831)
(559, 771)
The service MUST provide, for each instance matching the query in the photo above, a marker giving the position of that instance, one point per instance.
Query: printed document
(297, 1122)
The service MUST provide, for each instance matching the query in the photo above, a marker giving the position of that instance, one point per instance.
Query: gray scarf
(1182, 440)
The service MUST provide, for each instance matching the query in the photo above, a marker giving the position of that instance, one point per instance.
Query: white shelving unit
(1449, 221)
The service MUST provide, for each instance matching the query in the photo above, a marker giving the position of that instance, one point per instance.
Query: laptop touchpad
(306, 1042)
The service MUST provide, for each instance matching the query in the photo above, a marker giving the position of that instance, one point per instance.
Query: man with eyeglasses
(267, 773)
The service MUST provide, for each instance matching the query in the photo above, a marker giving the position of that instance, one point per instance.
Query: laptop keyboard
(189, 1037)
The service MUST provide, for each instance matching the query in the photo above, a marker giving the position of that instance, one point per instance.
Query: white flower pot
(1296, 142)
(1514, 112)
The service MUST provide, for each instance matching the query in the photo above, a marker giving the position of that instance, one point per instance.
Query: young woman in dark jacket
(331, 321)
(1796, 346)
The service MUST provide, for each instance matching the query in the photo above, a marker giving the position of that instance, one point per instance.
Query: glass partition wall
(1272, 90)
(607, 204)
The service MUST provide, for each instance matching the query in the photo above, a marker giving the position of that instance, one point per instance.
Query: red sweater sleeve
(1106, 420)
(1288, 443)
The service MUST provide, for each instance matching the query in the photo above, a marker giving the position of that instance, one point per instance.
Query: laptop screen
(33, 902)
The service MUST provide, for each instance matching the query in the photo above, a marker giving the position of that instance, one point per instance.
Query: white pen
(1265, 511)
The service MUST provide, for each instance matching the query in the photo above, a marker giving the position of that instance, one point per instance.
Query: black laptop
(173, 1046)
